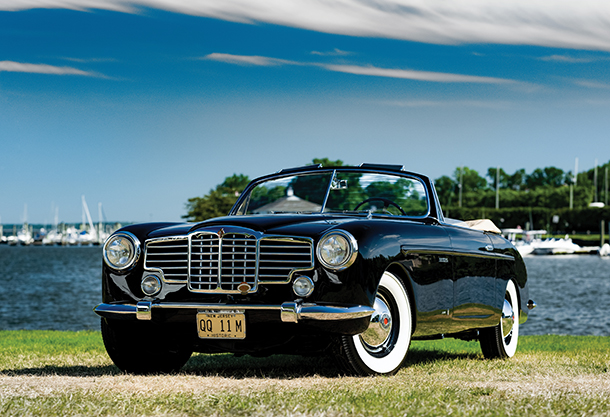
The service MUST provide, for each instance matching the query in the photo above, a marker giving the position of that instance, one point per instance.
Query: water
(50, 287)
(572, 293)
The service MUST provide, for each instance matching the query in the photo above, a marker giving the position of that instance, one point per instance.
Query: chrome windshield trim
(328, 189)
(425, 182)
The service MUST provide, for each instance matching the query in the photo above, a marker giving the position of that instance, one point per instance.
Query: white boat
(556, 246)
(54, 237)
(24, 236)
(526, 241)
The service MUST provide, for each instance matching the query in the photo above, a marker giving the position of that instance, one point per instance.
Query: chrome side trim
(290, 312)
(406, 251)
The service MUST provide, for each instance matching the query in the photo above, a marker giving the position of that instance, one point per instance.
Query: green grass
(69, 373)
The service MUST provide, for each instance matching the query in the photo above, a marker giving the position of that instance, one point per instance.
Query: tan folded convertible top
(484, 225)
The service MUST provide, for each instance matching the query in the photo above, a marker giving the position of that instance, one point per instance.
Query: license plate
(221, 324)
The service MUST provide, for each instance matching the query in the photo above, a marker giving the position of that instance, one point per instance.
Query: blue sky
(141, 105)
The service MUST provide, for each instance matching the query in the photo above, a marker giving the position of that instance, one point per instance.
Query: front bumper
(290, 312)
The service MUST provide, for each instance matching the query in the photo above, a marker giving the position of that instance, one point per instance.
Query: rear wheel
(382, 348)
(501, 341)
(142, 349)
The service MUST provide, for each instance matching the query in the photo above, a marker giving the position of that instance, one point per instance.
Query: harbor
(86, 233)
(539, 242)
(62, 234)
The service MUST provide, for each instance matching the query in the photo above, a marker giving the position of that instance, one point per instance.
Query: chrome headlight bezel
(130, 242)
(337, 241)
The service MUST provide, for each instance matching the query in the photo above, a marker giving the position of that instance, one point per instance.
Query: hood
(280, 224)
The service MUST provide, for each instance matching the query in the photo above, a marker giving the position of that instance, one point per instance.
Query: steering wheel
(386, 203)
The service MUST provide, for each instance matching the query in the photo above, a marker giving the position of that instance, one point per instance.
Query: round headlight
(337, 250)
(151, 285)
(121, 250)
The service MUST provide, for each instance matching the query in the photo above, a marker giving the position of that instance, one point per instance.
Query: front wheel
(501, 341)
(382, 348)
(142, 348)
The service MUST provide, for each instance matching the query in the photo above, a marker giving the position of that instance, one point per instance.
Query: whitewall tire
(382, 348)
(501, 341)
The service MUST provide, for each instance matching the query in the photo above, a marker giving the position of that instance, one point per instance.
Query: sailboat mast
(86, 211)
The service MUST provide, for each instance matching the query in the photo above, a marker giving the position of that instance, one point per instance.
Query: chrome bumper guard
(290, 312)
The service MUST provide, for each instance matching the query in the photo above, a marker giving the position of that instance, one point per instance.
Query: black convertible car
(351, 261)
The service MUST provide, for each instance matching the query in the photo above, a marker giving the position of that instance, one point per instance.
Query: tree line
(548, 187)
(547, 197)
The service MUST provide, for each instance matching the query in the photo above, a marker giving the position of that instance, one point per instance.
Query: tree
(547, 177)
(219, 200)
(470, 179)
(517, 180)
(511, 182)
(492, 173)
(446, 190)
(327, 163)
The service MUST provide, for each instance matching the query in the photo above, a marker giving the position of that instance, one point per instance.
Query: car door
(474, 278)
(426, 256)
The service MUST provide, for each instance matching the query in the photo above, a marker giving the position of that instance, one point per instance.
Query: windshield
(338, 192)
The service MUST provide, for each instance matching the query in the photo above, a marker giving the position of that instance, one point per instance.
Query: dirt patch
(35, 386)
(540, 386)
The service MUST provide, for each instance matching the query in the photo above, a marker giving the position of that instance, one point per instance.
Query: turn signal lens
(151, 285)
(302, 286)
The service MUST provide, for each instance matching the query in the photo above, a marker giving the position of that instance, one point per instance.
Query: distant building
(290, 203)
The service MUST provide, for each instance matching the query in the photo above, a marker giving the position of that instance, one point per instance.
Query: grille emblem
(221, 233)
(243, 288)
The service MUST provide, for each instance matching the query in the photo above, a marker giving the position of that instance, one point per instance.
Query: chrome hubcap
(508, 319)
(380, 327)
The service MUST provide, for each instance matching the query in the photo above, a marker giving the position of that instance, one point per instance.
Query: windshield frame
(244, 198)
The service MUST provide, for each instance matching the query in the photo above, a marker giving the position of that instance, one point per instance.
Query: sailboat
(24, 236)
(87, 237)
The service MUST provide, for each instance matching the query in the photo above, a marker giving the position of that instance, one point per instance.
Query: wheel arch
(523, 313)
(399, 271)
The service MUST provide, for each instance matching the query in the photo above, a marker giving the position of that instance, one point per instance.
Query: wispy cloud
(90, 60)
(334, 52)
(583, 24)
(11, 66)
(439, 77)
(592, 84)
(256, 60)
(448, 103)
(566, 59)
(408, 74)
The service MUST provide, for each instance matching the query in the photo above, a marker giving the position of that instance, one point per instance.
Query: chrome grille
(220, 262)
(170, 256)
(279, 257)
